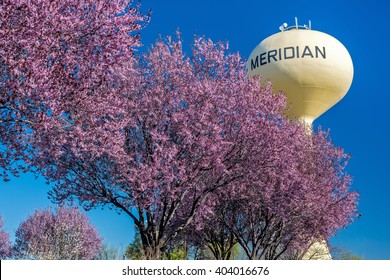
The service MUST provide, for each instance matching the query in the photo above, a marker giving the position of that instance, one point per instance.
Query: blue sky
(359, 123)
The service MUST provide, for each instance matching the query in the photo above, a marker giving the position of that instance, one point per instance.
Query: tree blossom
(52, 55)
(287, 204)
(5, 245)
(64, 235)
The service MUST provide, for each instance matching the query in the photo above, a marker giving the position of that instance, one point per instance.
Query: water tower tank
(314, 69)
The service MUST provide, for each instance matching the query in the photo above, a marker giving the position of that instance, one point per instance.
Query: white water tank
(312, 68)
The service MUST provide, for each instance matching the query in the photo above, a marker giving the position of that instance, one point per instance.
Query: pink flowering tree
(180, 129)
(293, 198)
(208, 234)
(64, 235)
(52, 55)
(5, 245)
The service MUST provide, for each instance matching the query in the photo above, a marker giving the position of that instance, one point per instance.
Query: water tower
(312, 68)
(315, 72)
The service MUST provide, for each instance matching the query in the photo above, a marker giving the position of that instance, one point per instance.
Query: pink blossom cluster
(297, 194)
(64, 235)
(5, 245)
(52, 55)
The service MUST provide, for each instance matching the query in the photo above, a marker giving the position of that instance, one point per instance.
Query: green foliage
(177, 252)
(134, 250)
(236, 253)
(343, 254)
(350, 256)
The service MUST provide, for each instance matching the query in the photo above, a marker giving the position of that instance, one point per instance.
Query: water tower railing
(285, 27)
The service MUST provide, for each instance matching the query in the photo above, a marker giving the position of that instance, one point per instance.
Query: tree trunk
(152, 253)
(151, 248)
